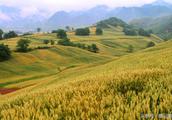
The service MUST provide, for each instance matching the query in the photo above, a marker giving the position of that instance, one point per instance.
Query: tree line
(134, 32)
(23, 44)
(65, 41)
(10, 34)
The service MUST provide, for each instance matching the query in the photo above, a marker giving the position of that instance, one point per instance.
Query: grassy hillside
(55, 81)
(124, 88)
(111, 22)
(161, 26)
(37, 64)
(44, 62)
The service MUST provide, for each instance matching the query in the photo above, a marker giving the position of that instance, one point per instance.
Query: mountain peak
(161, 3)
(100, 7)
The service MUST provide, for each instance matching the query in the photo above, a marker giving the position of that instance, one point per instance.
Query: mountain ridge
(88, 17)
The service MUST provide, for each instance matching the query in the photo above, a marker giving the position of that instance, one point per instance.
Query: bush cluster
(23, 45)
(82, 32)
(67, 42)
(133, 32)
(5, 52)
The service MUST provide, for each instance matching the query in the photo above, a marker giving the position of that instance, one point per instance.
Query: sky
(49, 6)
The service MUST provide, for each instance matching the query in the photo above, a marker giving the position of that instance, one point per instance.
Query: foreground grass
(122, 89)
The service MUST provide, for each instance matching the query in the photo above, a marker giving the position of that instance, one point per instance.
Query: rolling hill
(123, 88)
(63, 82)
(29, 66)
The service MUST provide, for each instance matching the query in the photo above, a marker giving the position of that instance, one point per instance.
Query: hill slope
(41, 63)
(161, 26)
(37, 64)
(124, 88)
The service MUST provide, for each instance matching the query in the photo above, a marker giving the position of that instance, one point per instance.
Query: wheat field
(71, 83)
(122, 89)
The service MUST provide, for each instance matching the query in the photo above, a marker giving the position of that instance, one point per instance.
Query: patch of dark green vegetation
(82, 32)
(112, 22)
(5, 52)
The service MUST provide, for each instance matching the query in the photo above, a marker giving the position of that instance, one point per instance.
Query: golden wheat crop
(122, 89)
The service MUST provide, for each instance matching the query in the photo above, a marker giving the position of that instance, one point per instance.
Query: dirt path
(4, 91)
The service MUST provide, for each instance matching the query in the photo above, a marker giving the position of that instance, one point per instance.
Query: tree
(99, 31)
(83, 46)
(94, 48)
(130, 48)
(150, 44)
(72, 29)
(46, 41)
(52, 42)
(10, 34)
(142, 32)
(65, 42)
(54, 31)
(38, 29)
(5, 52)
(1, 34)
(67, 28)
(82, 32)
(22, 45)
(130, 31)
(61, 34)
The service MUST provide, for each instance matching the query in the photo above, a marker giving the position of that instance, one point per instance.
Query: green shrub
(10, 34)
(46, 41)
(1, 34)
(150, 44)
(99, 31)
(5, 52)
(42, 47)
(130, 48)
(82, 32)
(130, 32)
(61, 34)
(142, 32)
(93, 48)
(52, 42)
(22, 45)
(65, 42)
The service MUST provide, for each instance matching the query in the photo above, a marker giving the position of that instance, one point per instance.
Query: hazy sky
(50, 6)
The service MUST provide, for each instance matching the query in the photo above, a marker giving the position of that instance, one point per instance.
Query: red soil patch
(4, 91)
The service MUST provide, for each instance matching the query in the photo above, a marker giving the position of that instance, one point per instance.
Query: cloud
(68, 5)
(28, 11)
(4, 17)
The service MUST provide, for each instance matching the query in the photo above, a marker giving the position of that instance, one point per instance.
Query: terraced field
(71, 83)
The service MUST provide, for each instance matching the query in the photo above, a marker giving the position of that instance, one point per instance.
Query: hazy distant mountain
(161, 3)
(10, 18)
(162, 26)
(81, 18)
(131, 13)
(84, 18)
